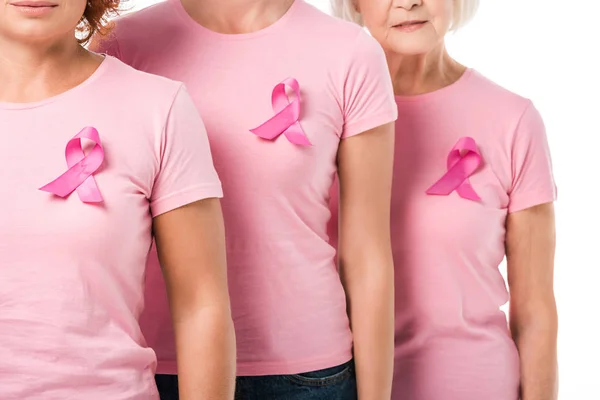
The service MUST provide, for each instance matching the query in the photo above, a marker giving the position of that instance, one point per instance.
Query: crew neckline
(190, 22)
(69, 92)
(467, 74)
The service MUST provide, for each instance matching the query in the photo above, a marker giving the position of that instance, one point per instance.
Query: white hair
(464, 11)
(346, 9)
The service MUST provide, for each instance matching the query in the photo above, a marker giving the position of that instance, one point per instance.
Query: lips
(32, 8)
(33, 4)
(409, 23)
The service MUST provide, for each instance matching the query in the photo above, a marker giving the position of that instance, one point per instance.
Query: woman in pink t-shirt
(472, 184)
(290, 96)
(94, 157)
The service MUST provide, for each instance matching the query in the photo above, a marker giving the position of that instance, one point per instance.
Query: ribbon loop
(287, 115)
(81, 166)
(463, 160)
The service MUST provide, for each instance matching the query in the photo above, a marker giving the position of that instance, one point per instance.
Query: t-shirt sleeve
(532, 177)
(186, 172)
(368, 96)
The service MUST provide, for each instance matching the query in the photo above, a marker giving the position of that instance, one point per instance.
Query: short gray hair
(464, 11)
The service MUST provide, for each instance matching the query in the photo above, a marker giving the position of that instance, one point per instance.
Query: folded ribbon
(287, 114)
(81, 168)
(463, 160)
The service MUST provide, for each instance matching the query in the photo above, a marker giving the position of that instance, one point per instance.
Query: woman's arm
(191, 247)
(365, 256)
(530, 243)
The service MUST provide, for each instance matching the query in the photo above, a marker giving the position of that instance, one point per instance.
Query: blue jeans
(337, 383)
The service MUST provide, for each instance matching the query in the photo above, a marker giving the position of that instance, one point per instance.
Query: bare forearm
(206, 355)
(371, 304)
(536, 341)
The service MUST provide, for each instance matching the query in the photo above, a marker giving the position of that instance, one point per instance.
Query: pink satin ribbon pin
(287, 114)
(81, 166)
(463, 160)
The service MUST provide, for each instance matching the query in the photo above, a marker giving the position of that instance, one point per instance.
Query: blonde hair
(464, 11)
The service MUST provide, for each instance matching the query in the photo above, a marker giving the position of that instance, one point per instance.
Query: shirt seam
(188, 190)
(349, 129)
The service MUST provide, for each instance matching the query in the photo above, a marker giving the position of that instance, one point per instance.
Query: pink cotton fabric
(452, 339)
(72, 273)
(288, 303)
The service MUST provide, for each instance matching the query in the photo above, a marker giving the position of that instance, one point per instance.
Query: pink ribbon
(81, 168)
(287, 114)
(463, 160)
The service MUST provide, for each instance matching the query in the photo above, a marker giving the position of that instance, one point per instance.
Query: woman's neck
(236, 16)
(31, 72)
(423, 73)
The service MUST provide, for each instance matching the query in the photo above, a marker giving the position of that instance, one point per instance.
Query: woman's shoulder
(487, 104)
(336, 42)
(147, 18)
(329, 30)
(144, 88)
(144, 28)
(488, 92)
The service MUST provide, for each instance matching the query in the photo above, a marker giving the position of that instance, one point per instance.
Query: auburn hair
(95, 18)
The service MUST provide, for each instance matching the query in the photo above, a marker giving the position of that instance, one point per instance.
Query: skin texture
(365, 164)
(419, 63)
(418, 60)
(40, 57)
(236, 16)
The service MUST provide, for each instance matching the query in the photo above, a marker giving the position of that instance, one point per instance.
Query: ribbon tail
(77, 178)
(466, 191)
(269, 130)
(295, 134)
(275, 126)
(88, 191)
(64, 185)
(438, 190)
(57, 189)
(446, 185)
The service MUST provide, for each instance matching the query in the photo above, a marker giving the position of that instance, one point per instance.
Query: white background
(548, 51)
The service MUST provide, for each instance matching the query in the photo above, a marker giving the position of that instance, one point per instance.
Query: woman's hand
(365, 256)
(191, 246)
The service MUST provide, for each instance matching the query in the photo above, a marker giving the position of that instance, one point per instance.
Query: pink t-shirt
(288, 303)
(71, 272)
(452, 339)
